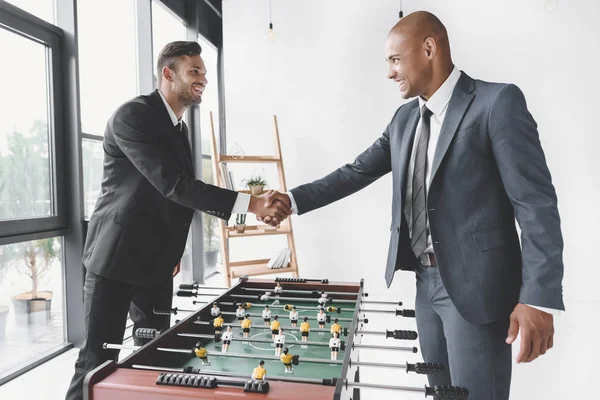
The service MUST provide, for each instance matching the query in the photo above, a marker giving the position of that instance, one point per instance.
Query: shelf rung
(248, 159)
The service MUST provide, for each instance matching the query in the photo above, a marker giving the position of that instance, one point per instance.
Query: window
(25, 168)
(166, 28)
(210, 103)
(32, 313)
(93, 158)
(107, 60)
(43, 9)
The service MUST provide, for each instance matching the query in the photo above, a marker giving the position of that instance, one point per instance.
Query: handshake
(271, 208)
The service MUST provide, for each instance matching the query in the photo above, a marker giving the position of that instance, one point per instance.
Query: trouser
(106, 304)
(475, 356)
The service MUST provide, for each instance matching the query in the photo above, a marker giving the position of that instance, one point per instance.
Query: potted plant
(240, 223)
(255, 184)
(38, 256)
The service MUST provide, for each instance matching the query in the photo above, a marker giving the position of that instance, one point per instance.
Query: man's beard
(183, 94)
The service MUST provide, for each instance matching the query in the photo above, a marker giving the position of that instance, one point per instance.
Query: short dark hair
(169, 54)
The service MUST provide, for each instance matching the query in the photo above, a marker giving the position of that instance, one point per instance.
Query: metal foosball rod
(175, 310)
(286, 307)
(196, 286)
(345, 331)
(306, 291)
(396, 334)
(418, 368)
(190, 293)
(206, 336)
(266, 297)
(399, 312)
(437, 392)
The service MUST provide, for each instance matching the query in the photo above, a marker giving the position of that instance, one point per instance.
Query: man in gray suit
(138, 230)
(466, 161)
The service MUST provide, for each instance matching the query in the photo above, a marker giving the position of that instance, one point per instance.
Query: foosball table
(287, 338)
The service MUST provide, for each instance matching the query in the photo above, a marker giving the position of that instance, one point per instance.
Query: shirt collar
(440, 99)
(174, 119)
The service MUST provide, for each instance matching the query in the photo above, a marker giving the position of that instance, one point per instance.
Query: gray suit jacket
(488, 168)
(138, 230)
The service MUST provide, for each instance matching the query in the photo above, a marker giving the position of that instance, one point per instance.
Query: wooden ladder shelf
(236, 269)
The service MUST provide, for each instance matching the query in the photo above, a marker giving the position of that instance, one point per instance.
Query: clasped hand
(271, 208)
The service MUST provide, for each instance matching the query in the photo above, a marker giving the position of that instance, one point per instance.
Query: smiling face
(409, 63)
(188, 79)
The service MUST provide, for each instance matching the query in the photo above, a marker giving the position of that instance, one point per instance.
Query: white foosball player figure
(334, 345)
(227, 338)
(215, 310)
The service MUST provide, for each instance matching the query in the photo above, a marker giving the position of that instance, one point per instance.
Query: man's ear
(430, 47)
(167, 74)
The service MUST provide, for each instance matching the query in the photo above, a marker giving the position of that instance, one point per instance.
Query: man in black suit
(138, 230)
(466, 160)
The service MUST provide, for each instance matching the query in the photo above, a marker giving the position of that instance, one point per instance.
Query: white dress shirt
(438, 105)
(243, 199)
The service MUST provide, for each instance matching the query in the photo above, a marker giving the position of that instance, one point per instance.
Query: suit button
(397, 229)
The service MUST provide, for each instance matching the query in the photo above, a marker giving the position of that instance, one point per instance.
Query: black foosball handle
(165, 312)
(405, 313)
(186, 293)
(401, 335)
(147, 333)
(447, 392)
(425, 368)
(188, 286)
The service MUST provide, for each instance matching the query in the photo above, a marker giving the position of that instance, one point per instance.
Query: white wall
(325, 78)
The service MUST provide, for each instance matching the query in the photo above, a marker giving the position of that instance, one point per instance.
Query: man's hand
(271, 208)
(537, 332)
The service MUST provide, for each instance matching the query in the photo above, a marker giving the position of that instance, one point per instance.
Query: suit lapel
(406, 147)
(459, 103)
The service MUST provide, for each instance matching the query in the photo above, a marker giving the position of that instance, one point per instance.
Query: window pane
(93, 161)
(210, 97)
(43, 9)
(210, 102)
(186, 273)
(166, 28)
(32, 313)
(25, 183)
(107, 60)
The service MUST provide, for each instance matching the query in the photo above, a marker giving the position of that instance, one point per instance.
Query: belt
(428, 260)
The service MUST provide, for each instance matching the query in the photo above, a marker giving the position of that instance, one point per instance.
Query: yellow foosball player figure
(294, 316)
(286, 359)
(201, 353)
(227, 338)
(259, 373)
(266, 314)
(334, 345)
(321, 317)
(305, 329)
(275, 325)
(335, 327)
(218, 324)
(246, 324)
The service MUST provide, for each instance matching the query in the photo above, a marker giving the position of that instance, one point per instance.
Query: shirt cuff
(556, 313)
(242, 202)
(294, 206)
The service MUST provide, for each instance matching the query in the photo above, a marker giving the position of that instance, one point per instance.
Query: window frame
(19, 22)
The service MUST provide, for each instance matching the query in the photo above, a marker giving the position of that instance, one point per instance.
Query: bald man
(466, 161)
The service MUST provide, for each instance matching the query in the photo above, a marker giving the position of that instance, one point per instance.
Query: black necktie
(419, 213)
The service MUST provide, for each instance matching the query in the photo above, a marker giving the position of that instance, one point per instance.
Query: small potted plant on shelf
(240, 223)
(255, 184)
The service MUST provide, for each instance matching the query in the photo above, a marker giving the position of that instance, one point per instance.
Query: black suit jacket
(488, 169)
(138, 230)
